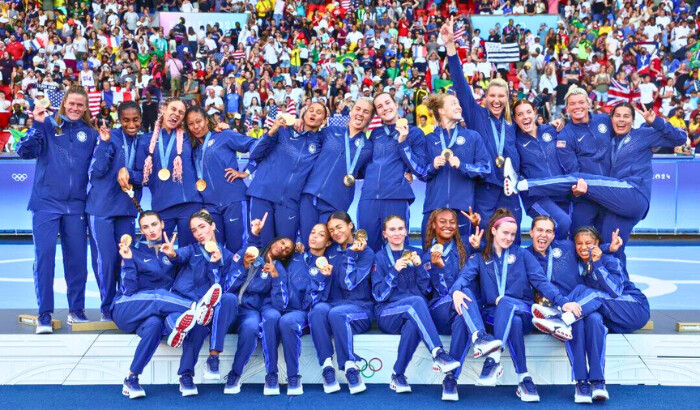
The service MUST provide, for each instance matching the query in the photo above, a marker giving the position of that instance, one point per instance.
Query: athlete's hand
(168, 247)
(438, 162)
(475, 238)
(271, 269)
(359, 245)
(221, 126)
(279, 122)
(572, 307)
(299, 247)
(105, 135)
(458, 299)
(558, 124)
(403, 132)
(401, 264)
(232, 174)
(454, 161)
(447, 31)
(326, 270)
(580, 188)
(616, 242)
(596, 254)
(248, 260)
(125, 251)
(215, 256)
(649, 115)
(474, 217)
(39, 113)
(409, 177)
(415, 259)
(123, 177)
(256, 225)
(436, 259)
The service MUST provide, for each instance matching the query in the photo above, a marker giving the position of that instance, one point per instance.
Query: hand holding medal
(323, 266)
(40, 110)
(250, 255)
(360, 242)
(436, 255)
(213, 249)
(402, 128)
(125, 246)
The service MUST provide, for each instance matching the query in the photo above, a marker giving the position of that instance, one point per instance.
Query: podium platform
(655, 357)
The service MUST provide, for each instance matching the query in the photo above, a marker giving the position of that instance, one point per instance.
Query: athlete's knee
(594, 321)
(229, 300)
(319, 312)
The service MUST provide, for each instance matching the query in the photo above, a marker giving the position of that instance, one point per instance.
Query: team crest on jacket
(627, 139)
(236, 257)
(511, 259)
(602, 128)
(210, 143)
(313, 271)
(357, 142)
(546, 137)
(82, 136)
(166, 260)
(556, 252)
(312, 149)
(461, 140)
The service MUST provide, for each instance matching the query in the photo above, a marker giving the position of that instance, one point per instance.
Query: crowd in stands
(292, 53)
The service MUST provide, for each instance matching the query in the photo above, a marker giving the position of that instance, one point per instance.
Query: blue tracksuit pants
(312, 211)
(231, 224)
(559, 211)
(342, 321)
(624, 314)
(105, 233)
(178, 216)
(488, 198)
(511, 320)
(45, 228)
(371, 214)
(586, 350)
(409, 317)
(460, 328)
(282, 220)
(292, 326)
(253, 324)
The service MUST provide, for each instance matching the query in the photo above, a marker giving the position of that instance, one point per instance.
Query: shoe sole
(583, 400)
(564, 337)
(295, 392)
(488, 382)
(132, 395)
(601, 396)
(446, 368)
(479, 353)
(540, 314)
(398, 389)
(357, 389)
(205, 307)
(331, 388)
(187, 393)
(269, 391)
(43, 330)
(450, 397)
(233, 390)
(527, 398)
(71, 320)
(184, 324)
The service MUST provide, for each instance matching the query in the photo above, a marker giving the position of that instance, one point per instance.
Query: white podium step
(104, 358)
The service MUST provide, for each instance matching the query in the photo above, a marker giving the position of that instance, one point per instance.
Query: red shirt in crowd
(16, 50)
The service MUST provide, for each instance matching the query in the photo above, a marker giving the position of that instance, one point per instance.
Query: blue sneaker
(355, 382)
(490, 373)
(43, 325)
(443, 362)
(211, 368)
(233, 383)
(294, 387)
(131, 388)
(527, 390)
(77, 317)
(330, 384)
(272, 385)
(106, 317)
(486, 344)
(599, 390)
(582, 392)
(187, 386)
(449, 388)
(399, 384)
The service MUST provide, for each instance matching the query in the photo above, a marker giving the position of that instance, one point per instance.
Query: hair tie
(504, 219)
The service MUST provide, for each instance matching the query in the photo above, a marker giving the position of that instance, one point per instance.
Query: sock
(349, 365)
(435, 351)
(568, 318)
(327, 363)
(522, 376)
(475, 336)
(522, 185)
(496, 355)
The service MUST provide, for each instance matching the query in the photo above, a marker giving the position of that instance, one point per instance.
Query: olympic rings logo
(19, 177)
(371, 366)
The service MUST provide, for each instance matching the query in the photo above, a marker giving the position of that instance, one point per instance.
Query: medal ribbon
(549, 264)
(499, 139)
(502, 279)
(199, 165)
(350, 165)
(452, 140)
(165, 155)
(615, 149)
(129, 152)
(446, 250)
(390, 254)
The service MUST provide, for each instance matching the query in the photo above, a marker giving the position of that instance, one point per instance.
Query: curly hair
(431, 234)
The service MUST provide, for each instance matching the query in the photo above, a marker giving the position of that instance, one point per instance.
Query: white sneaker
(544, 312)
(510, 178)
(205, 306)
(44, 325)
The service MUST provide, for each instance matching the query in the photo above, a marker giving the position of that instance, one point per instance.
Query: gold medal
(125, 239)
(201, 185)
(349, 180)
(406, 255)
(210, 246)
(361, 234)
(164, 174)
(252, 251)
(44, 103)
(401, 122)
(321, 262)
(437, 248)
(447, 153)
(289, 119)
(500, 161)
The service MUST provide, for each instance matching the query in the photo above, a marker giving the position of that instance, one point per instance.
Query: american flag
(375, 123)
(271, 116)
(346, 4)
(238, 54)
(459, 33)
(55, 96)
(94, 100)
(619, 92)
(291, 107)
(339, 121)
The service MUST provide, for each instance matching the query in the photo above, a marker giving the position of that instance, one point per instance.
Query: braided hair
(179, 135)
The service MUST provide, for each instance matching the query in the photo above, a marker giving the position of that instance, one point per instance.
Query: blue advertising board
(674, 199)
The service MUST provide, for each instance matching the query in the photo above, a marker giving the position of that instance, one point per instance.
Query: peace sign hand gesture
(649, 115)
(615, 241)
(473, 217)
(104, 132)
(475, 238)
(168, 247)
